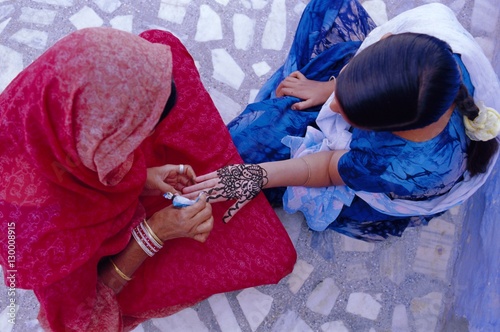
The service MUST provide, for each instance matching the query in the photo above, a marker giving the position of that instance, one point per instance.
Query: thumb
(164, 187)
(302, 105)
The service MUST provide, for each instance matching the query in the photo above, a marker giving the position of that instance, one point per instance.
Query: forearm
(127, 262)
(314, 170)
(117, 270)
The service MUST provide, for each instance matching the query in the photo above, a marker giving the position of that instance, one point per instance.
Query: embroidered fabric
(74, 136)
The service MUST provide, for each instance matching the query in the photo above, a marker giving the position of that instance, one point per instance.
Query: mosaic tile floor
(338, 284)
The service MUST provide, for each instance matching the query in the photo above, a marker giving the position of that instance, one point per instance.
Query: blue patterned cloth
(328, 35)
(384, 163)
(381, 163)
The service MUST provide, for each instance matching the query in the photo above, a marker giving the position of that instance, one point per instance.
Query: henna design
(242, 182)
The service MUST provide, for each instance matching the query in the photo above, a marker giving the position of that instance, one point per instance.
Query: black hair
(407, 81)
(172, 99)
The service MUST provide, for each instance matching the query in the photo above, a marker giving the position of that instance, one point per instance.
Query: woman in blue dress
(398, 141)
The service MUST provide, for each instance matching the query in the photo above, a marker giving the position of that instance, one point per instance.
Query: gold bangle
(153, 233)
(308, 172)
(120, 273)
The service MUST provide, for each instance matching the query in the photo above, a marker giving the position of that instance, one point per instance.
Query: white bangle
(141, 243)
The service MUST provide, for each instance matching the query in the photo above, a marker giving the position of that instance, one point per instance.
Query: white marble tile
(209, 25)
(351, 244)
(6, 11)
(454, 211)
(254, 4)
(222, 2)
(62, 3)
(86, 18)
(356, 271)
(261, 68)
(186, 320)
(228, 108)
(400, 319)
(4, 24)
(244, 31)
(124, 22)
(275, 30)
(33, 38)
(8, 318)
(301, 271)
(426, 310)
(226, 69)
(393, 262)
(37, 16)
(335, 326)
(434, 250)
(255, 306)
(485, 15)
(323, 297)
(251, 98)
(299, 8)
(364, 305)
(108, 6)
(223, 313)
(377, 11)
(173, 10)
(33, 325)
(139, 328)
(457, 5)
(291, 322)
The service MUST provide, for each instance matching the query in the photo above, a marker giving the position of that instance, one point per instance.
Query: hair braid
(479, 153)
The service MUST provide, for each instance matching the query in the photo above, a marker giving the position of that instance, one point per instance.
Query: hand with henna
(234, 182)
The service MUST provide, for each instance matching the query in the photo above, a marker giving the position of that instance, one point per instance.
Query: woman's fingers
(207, 176)
(202, 186)
(231, 212)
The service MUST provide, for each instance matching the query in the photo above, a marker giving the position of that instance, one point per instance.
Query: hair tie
(485, 126)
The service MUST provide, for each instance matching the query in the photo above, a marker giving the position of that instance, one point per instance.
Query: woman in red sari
(84, 160)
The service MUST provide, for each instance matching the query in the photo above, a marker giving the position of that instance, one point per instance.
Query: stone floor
(338, 284)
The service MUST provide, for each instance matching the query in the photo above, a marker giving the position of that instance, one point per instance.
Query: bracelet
(308, 172)
(139, 238)
(120, 273)
(158, 240)
(150, 241)
(147, 239)
(332, 78)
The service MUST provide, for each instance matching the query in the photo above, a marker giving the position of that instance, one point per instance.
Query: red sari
(75, 149)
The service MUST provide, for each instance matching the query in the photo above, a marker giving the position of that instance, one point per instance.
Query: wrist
(147, 239)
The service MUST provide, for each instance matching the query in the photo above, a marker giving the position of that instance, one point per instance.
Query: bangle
(158, 240)
(120, 273)
(308, 172)
(147, 239)
(332, 78)
(139, 238)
